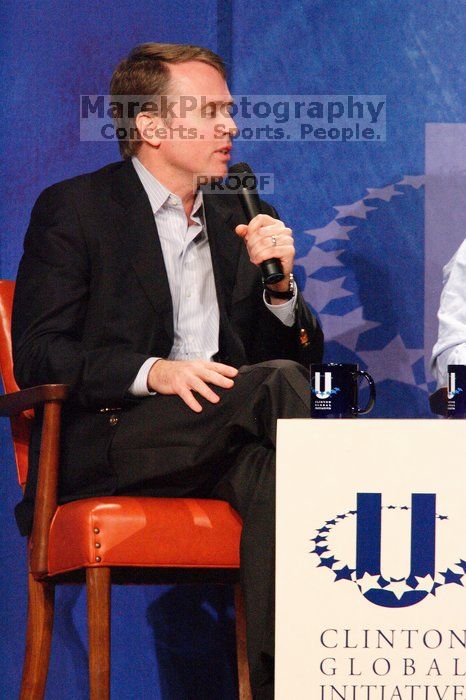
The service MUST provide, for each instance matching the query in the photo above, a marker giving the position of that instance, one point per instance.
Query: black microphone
(245, 184)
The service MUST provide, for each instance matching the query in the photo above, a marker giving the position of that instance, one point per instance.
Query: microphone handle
(271, 269)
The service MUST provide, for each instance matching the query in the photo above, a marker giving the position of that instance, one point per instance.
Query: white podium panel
(371, 560)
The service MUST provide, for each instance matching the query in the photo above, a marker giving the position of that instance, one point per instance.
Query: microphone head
(239, 168)
(241, 176)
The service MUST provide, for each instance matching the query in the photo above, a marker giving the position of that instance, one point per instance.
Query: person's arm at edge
(451, 344)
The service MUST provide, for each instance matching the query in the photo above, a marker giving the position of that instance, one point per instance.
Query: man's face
(200, 134)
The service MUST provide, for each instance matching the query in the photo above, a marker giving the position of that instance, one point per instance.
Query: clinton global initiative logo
(350, 546)
(324, 390)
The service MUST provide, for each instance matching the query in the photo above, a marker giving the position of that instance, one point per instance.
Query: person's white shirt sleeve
(450, 348)
(284, 312)
(139, 386)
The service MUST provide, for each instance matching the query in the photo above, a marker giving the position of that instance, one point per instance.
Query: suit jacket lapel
(225, 245)
(137, 230)
(222, 215)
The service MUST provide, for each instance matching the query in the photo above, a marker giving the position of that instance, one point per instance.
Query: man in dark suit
(134, 290)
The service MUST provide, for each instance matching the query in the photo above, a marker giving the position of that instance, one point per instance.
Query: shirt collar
(158, 194)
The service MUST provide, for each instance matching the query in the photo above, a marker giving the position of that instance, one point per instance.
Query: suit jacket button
(113, 420)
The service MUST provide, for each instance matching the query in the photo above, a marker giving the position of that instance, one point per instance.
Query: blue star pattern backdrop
(374, 222)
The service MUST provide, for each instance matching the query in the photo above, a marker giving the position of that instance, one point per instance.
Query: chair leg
(41, 596)
(241, 649)
(98, 621)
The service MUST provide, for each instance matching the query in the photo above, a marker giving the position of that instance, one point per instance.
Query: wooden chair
(104, 540)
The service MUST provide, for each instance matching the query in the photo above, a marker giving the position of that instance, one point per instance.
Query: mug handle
(370, 404)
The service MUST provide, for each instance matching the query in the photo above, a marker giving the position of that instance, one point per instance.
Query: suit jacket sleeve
(49, 310)
(265, 337)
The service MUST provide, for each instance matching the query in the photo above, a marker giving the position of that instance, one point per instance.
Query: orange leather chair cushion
(147, 532)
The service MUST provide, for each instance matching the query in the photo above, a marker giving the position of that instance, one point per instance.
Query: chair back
(20, 424)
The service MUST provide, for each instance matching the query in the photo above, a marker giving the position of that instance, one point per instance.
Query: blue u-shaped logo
(368, 546)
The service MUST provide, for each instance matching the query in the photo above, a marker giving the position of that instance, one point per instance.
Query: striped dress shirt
(186, 253)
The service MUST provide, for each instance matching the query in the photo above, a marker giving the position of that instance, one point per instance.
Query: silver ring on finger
(274, 240)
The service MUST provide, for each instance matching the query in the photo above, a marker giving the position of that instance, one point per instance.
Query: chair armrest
(52, 397)
(19, 401)
(439, 402)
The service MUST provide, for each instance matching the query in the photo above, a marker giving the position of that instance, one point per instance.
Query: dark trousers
(162, 448)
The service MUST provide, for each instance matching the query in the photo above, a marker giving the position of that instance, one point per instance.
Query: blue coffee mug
(334, 391)
(456, 391)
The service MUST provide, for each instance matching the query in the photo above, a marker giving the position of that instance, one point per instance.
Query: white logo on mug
(451, 385)
(327, 392)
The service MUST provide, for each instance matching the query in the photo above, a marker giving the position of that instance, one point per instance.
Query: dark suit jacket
(93, 302)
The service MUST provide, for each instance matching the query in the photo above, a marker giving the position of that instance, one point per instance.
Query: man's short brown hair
(145, 73)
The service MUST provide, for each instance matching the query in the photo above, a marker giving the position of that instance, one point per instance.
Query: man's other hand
(182, 377)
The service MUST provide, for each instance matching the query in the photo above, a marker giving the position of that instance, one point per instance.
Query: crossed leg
(162, 448)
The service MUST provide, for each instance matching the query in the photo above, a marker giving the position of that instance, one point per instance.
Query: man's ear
(151, 128)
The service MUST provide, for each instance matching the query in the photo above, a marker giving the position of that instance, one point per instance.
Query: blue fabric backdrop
(362, 266)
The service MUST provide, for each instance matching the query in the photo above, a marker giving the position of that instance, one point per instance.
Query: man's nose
(229, 126)
(234, 129)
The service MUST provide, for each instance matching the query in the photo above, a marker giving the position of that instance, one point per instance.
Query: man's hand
(182, 377)
(260, 245)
